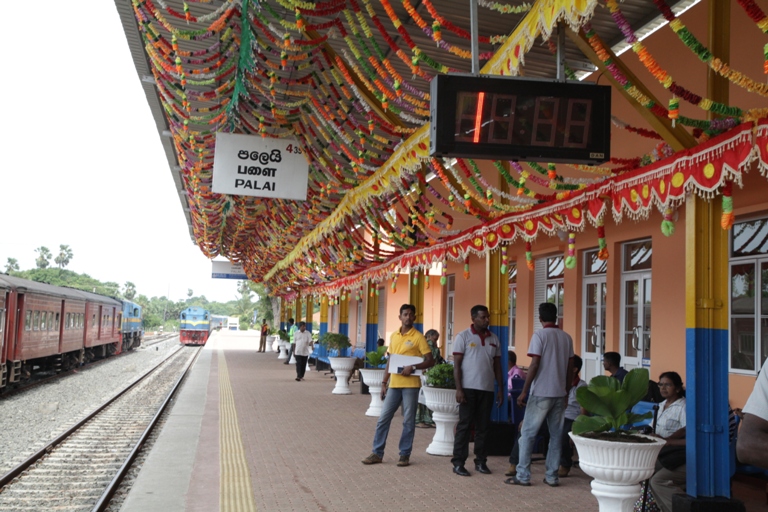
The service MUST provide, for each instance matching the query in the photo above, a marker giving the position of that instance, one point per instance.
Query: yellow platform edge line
(235, 492)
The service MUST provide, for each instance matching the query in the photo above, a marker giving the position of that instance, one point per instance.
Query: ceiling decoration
(349, 79)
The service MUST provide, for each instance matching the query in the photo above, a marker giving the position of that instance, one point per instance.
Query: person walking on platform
(404, 388)
(476, 366)
(303, 343)
(292, 328)
(549, 380)
(264, 334)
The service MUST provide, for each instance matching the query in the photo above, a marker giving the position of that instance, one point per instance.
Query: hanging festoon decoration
(726, 221)
(504, 260)
(394, 283)
(570, 258)
(443, 271)
(374, 290)
(466, 267)
(602, 253)
(415, 279)
(529, 255)
(426, 280)
(668, 224)
(674, 109)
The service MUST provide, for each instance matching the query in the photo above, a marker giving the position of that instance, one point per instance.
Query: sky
(82, 163)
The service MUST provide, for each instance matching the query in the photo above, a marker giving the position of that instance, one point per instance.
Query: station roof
(350, 80)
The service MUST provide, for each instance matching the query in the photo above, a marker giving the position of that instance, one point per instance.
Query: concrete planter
(617, 469)
(342, 368)
(372, 378)
(445, 414)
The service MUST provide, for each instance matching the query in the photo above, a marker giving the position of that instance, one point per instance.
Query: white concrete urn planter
(283, 350)
(271, 343)
(372, 377)
(445, 414)
(342, 368)
(276, 344)
(617, 469)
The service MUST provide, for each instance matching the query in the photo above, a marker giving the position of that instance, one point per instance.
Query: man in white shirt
(752, 443)
(303, 347)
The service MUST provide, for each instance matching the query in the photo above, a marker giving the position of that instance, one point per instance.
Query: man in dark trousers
(476, 366)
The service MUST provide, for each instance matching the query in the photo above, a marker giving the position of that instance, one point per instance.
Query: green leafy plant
(283, 335)
(441, 376)
(331, 340)
(610, 402)
(376, 358)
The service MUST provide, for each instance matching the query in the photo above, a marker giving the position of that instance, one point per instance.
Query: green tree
(64, 257)
(263, 303)
(129, 291)
(244, 304)
(12, 265)
(43, 259)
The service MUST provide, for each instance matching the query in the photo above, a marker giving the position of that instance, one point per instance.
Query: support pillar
(416, 297)
(372, 318)
(308, 312)
(323, 315)
(344, 314)
(497, 301)
(706, 324)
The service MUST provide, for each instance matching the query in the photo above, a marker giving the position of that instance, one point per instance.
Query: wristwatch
(413, 368)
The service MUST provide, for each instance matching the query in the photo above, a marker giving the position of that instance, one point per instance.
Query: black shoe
(482, 468)
(461, 471)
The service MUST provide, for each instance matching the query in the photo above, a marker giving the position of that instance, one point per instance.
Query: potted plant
(617, 458)
(342, 365)
(440, 396)
(373, 378)
(283, 343)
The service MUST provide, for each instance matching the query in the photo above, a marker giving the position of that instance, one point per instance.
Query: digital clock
(519, 119)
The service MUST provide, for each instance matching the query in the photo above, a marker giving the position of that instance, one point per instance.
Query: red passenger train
(50, 328)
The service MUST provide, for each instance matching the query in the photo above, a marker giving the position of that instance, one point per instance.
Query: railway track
(82, 468)
(16, 388)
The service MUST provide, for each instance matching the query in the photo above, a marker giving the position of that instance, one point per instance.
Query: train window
(36, 320)
(93, 320)
(43, 318)
(57, 321)
(28, 321)
(81, 320)
(135, 311)
(183, 316)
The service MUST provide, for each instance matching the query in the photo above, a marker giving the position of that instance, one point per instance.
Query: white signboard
(247, 165)
(227, 270)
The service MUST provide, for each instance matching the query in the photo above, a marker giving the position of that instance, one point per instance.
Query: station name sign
(246, 165)
(227, 270)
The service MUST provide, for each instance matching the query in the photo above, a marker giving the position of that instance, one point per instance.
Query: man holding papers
(408, 353)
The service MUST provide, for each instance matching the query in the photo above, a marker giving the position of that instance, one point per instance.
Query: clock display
(496, 117)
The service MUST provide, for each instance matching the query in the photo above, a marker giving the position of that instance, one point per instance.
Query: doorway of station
(635, 345)
(593, 315)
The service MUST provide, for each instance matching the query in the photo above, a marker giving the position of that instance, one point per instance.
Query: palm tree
(65, 255)
(130, 290)
(12, 265)
(43, 259)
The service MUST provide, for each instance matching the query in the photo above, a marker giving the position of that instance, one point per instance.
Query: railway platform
(244, 435)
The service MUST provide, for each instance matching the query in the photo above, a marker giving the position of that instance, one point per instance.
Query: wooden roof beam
(678, 137)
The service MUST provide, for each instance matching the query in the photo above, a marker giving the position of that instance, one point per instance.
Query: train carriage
(51, 328)
(194, 326)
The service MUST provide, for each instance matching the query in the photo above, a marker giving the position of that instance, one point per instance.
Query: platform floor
(244, 435)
